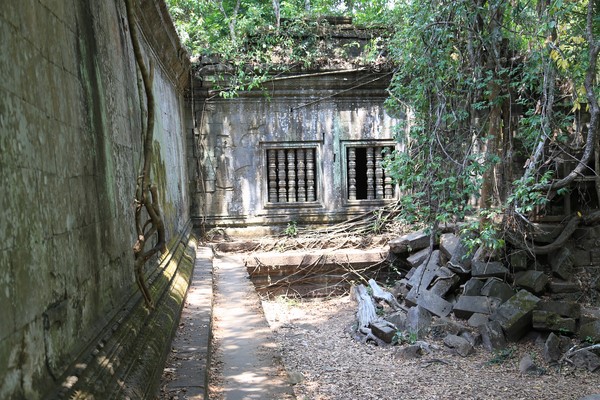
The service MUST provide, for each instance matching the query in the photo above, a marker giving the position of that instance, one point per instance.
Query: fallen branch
(379, 294)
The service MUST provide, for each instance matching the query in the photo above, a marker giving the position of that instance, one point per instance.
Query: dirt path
(246, 362)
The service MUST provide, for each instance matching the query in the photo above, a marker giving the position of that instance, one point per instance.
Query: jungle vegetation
(502, 96)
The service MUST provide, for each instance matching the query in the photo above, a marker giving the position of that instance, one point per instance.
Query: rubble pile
(478, 300)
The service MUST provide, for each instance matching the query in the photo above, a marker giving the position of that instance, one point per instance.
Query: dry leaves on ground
(320, 354)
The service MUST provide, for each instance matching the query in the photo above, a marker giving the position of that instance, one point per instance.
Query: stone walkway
(245, 362)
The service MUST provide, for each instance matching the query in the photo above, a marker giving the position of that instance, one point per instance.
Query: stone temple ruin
(73, 321)
(488, 302)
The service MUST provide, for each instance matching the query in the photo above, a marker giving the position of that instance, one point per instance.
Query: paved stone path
(245, 362)
(186, 366)
(249, 362)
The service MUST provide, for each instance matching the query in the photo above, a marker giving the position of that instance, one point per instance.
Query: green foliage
(292, 229)
(501, 356)
(525, 196)
(404, 337)
(461, 69)
(483, 232)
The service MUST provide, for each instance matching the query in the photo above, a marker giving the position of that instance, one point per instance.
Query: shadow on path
(245, 363)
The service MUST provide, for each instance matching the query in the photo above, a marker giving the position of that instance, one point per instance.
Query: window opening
(366, 177)
(292, 175)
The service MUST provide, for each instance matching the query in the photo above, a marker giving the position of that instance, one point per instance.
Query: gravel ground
(320, 354)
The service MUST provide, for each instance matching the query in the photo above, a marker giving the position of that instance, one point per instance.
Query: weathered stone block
(568, 309)
(514, 315)
(586, 359)
(400, 289)
(425, 272)
(492, 336)
(430, 301)
(472, 287)
(409, 352)
(448, 244)
(533, 281)
(478, 319)
(398, 319)
(409, 242)
(560, 286)
(416, 259)
(418, 321)
(494, 287)
(383, 331)
(581, 258)
(481, 269)
(518, 260)
(460, 260)
(445, 281)
(459, 344)
(562, 264)
(549, 321)
(469, 305)
(590, 332)
(554, 347)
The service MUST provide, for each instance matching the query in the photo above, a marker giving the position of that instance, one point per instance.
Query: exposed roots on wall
(148, 218)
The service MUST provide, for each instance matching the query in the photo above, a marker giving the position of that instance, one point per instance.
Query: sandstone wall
(326, 111)
(70, 123)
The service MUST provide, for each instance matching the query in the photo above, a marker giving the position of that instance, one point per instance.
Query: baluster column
(351, 173)
(378, 174)
(370, 179)
(272, 163)
(310, 175)
(301, 174)
(291, 175)
(281, 175)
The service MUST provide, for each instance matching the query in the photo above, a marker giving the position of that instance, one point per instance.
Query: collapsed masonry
(492, 302)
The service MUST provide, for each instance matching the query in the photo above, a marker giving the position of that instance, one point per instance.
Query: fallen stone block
(474, 340)
(527, 366)
(554, 348)
(562, 264)
(425, 272)
(568, 309)
(448, 244)
(586, 359)
(418, 321)
(400, 289)
(459, 344)
(430, 301)
(472, 287)
(492, 336)
(514, 315)
(590, 332)
(581, 258)
(466, 306)
(409, 352)
(444, 326)
(460, 259)
(383, 331)
(492, 269)
(478, 319)
(416, 259)
(398, 319)
(409, 242)
(589, 315)
(518, 261)
(560, 286)
(533, 281)
(494, 287)
(445, 281)
(550, 321)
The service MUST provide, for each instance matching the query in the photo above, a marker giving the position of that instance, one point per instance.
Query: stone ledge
(126, 359)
